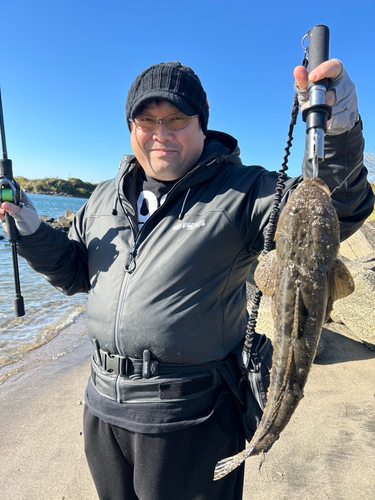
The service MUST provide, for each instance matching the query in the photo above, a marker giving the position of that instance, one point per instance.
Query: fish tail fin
(227, 465)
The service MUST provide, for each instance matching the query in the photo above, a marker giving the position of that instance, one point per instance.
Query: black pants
(175, 465)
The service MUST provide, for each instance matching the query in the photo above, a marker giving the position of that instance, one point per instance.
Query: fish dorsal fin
(343, 283)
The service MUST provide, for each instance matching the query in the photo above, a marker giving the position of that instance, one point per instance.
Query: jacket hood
(223, 146)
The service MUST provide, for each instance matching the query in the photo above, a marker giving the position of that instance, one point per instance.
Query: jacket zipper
(130, 265)
(121, 300)
(125, 280)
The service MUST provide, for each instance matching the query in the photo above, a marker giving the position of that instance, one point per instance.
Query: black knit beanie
(174, 83)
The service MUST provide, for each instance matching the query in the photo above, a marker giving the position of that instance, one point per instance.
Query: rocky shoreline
(53, 193)
(62, 223)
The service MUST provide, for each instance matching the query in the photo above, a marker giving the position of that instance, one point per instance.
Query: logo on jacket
(189, 226)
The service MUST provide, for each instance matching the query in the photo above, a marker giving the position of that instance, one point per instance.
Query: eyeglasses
(172, 122)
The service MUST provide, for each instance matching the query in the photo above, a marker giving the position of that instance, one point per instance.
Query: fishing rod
(10, 191)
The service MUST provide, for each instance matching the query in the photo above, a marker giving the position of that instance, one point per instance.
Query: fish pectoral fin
(266, 273)
(343, 283)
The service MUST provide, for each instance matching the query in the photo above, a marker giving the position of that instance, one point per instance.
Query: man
(164, 252)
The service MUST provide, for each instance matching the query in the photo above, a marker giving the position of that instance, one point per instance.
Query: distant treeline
(58, 187)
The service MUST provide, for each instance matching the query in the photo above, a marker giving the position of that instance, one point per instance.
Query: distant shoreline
(71, 188)
(53, 193)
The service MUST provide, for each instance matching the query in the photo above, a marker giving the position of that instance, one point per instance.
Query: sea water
(47, 311)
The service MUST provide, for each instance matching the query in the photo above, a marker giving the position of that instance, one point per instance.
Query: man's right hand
(10, 208)
(24, 215)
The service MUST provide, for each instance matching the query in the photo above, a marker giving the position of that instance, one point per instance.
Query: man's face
(164, 154)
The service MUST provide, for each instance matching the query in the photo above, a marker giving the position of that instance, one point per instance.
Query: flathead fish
(304, 277)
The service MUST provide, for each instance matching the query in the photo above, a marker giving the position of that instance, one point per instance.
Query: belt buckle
(115, 363)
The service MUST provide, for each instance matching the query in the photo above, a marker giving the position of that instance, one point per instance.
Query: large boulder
(357, 311)
(361, 244)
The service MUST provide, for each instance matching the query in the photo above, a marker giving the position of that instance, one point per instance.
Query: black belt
(163, 381)
(147, 367)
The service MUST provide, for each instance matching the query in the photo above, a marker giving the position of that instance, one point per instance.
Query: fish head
(308, 227)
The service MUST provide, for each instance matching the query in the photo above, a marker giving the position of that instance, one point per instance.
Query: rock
(360, 244)
(69, 216)
(63, 223)
(46, 219)
(357, 311)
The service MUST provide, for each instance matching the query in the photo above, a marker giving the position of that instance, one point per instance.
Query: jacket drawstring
(115, 201)
(124, 166)
(181, 216)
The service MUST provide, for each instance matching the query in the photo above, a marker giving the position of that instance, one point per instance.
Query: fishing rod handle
(19, 307)
(11, 229)
(318, 49)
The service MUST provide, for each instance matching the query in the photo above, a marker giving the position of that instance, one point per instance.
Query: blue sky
(66, 67)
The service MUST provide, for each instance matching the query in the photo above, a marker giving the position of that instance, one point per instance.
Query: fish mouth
(318, 182)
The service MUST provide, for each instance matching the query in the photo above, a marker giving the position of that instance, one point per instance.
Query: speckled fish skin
(304, 277)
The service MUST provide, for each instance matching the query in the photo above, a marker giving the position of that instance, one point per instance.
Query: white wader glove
(345, 108)
(27, 220)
